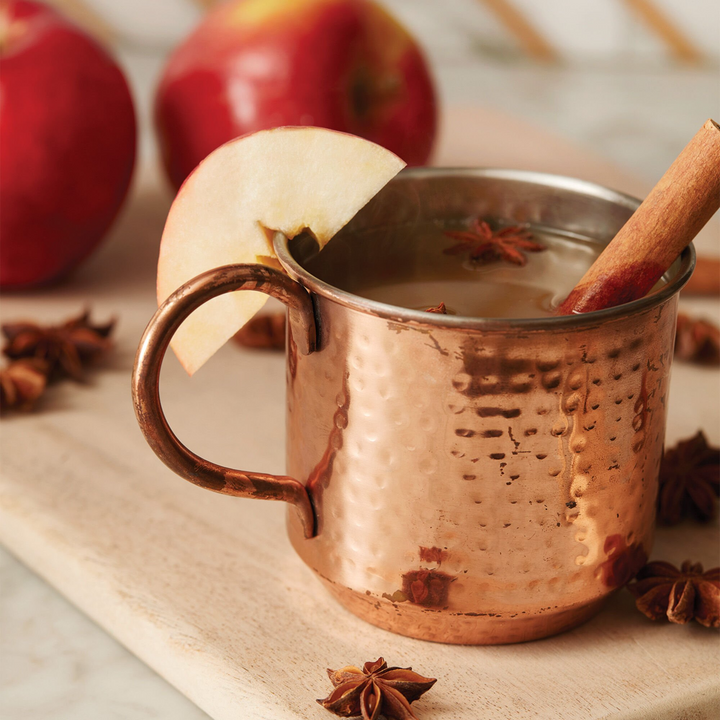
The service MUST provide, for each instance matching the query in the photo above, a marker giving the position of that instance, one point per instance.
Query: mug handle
(146, 377)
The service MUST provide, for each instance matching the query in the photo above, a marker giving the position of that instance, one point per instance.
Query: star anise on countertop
(21, 383)
(485, 245)
(689, 481)
(263, 332)
(374, 691)
(697, 340)
(661, 590)
(66, 348)
(439, 309)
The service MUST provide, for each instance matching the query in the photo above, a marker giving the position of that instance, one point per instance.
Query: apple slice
(287, 179)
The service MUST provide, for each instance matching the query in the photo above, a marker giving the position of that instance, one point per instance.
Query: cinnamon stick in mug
(674, 212)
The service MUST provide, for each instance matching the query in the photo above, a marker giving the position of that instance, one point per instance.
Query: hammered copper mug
(455, 479)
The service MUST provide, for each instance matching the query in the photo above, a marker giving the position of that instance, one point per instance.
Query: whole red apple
(67, 144)
(255, 64)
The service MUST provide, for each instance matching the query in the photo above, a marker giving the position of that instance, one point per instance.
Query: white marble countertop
(55, 663)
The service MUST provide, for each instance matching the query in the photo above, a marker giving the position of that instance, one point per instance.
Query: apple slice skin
(284, 179)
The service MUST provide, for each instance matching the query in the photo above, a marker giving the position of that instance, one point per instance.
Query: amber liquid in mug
(408, 268)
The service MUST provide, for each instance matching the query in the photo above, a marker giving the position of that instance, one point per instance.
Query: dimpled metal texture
(478, 482)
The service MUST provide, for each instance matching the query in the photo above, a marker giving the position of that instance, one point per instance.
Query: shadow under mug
(455, 479)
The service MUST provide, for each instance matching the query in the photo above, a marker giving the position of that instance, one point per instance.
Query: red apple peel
(67, 144)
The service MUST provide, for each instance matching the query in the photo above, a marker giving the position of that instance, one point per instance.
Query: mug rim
(420, 317)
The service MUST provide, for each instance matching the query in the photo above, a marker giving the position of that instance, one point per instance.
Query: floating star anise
(374, 691)
(439, 309)
(21, 383)
(689, 481)
(680, 595)
(697, 341)
(66, 348)
(484, 245)
(263, 332)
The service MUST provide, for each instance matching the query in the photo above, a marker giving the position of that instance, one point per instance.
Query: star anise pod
(264, 332)
(680, 595)
(66, 348)
(21, 383)
(484, 245)
(439, 309)
(374, 691)
(689, 481)
(697, 341)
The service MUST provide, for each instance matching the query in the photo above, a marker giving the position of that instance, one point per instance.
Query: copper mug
(455, 479)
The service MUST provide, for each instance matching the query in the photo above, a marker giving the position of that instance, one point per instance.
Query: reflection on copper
(427, 587)
(489, 374)
(292, 352)
(433, 554)
(623, 561)
(321, 474)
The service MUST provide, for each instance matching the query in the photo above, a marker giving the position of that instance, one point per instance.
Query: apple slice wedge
(286, 179)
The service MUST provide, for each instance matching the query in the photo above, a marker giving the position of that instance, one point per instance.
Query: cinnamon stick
(676, 209)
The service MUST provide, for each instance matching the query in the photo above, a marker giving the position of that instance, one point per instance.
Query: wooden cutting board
(207, 590)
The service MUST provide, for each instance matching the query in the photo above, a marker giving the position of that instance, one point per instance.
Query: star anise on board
(689, 481)
(263, 332)
(697, 341)
(661, 590)
(21, 383)
(484, 245)
(66, 348)
(439, 309)
(374, 691)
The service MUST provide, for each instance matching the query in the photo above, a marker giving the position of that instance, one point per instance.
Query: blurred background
(631, 79)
